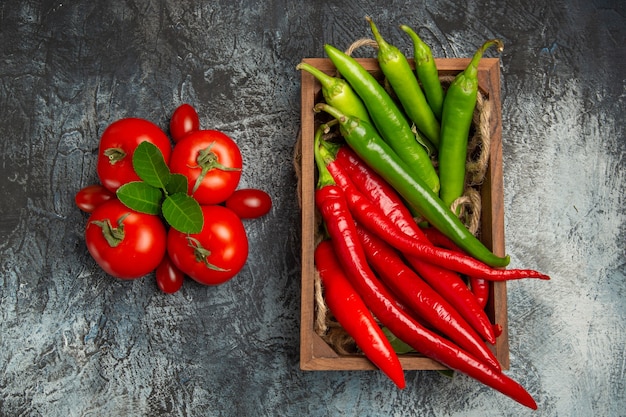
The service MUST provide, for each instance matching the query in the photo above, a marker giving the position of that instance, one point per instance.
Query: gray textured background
(75, 342)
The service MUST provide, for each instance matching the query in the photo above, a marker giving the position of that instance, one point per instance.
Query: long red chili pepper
(413, 292)
(480, 289)
(447, 283)
(454, 289)
(368, 214)
(341, 228)
(376, 188)
(354, 316)
(378, 222)
(439, 239)
(479, 286)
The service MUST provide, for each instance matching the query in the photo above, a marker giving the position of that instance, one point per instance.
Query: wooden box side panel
(308, 338)
(492, 226)
(315, 353)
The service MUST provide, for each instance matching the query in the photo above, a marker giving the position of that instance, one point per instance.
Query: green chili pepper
(396, 68)
(338, 93)
(386, 116)
(427, 72)
(458, 110)
(364, 139)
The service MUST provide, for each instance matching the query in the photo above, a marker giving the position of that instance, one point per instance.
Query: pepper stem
(472, 68)
(326, 80)
(346, 122)
(336, 113)
(422, 50)
(386, 51)
(377, 36)
(321, 158)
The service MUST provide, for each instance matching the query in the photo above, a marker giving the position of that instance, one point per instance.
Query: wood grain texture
(74, 342)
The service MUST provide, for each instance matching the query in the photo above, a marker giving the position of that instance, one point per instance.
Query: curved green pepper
(458, 111)
(396, 68)
(386, 116)
(338, 93)
(427, 72)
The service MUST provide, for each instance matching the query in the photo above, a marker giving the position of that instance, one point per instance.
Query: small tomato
(91, 196)
(184, 121)
(249, 203)
(169, 278)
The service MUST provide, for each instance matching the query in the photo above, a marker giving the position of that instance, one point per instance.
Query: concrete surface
(75, 342)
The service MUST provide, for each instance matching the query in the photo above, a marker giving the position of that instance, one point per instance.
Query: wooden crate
(315, 353)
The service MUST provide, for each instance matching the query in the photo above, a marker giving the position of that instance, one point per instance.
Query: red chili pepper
(454, 289)
(354, 316)
(480, 289)
(370, 183)
(341, 228)
(479, 286)
(473, 267)
(439, 239)
(447, 283)
(413, 292)
(378, 222)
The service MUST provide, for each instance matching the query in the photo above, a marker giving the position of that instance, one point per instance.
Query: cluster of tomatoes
(128, 243)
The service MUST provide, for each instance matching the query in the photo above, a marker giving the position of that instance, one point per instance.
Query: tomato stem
(115, 155)
(202, 254)
(206, 161)
(113, 235)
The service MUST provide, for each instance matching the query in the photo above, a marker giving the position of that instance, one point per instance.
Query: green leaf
(398, 345)
(149, 164)
(140, 197)
(177, 184)
(183, 213)
(431, 150)
(446, 372)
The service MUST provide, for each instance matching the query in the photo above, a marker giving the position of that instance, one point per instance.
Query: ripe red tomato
(249, 203)
(91, 196)
(217, 253)
(137, 241)
(117, 145)
(184, 121)
(169, 279)
(211, 161)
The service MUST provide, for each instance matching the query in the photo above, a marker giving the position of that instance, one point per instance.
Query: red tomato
(211, 161)
(184, 121)
(117, 145)
(90, 197)
(140, 247)
(169, 279)
(217, 253)
(249, 203)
